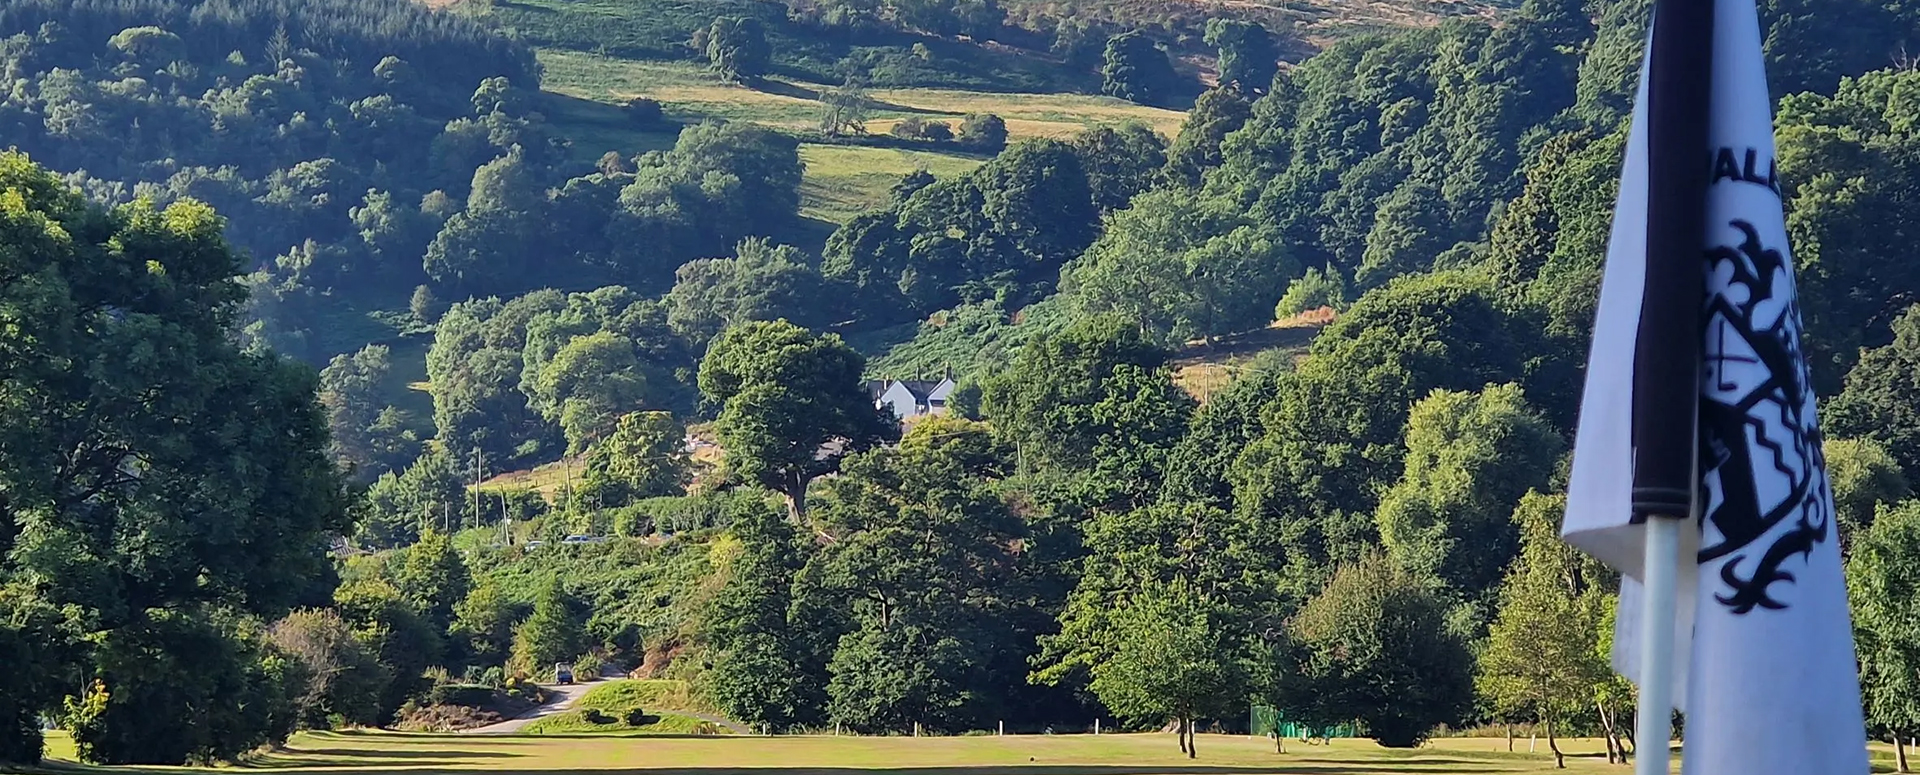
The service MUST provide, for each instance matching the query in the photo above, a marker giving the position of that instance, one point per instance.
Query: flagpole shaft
(1653, 728)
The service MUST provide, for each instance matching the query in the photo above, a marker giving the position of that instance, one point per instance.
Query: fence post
(1096, 725)
(1003, 728)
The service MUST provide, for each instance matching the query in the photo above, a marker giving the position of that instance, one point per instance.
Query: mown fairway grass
(1145, 754)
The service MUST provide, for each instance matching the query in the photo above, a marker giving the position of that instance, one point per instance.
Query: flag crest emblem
(1767, 504)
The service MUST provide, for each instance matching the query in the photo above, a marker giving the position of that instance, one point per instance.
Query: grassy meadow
(1140, 754)
(841, 180)
(549, 479)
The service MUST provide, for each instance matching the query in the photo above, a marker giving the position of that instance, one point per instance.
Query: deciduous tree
(1174, 660)
(1541, 657)
(645, 457)
(737, 48)
(343, 676)
(1137, 70)
(1248, 57)
(784, 395)
(1470, 457)
(122, 357)
(1883, 585)
(1374, 646)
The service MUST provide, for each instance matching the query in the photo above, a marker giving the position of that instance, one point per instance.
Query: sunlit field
(1136, 754)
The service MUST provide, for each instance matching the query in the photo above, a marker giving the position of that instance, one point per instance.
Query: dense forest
(214, 199)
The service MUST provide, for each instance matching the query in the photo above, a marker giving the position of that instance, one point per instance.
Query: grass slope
(687, 91)
(661, 29)
(1143, 754)
(651, 694)
(660, 723)
(841, 180)
(1202, 369)
(549, 479)
(658, 698)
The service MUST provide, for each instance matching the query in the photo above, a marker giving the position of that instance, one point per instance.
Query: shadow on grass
(386, 761)
(796, 91)
(353, 759)
(1277, 768)
(402, 753)
(807, 233)
(784, 89)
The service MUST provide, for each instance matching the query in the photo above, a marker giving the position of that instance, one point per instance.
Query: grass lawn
(1145, 754)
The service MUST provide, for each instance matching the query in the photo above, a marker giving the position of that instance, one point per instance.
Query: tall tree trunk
(1606, 728)
(1900, 754)
(1279, 742)
(1559, 759)
(1180, 732)
(1509, 737)
(1624, 732)
(1191, 751)
(797, 499)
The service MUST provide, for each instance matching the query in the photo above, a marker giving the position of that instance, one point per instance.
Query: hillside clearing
(687, 90)
(549, 479)
(842, 180)
(1201, 369)
(584, 90)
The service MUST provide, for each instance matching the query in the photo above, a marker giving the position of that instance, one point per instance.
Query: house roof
(920, 388)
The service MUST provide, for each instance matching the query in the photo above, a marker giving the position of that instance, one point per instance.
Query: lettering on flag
(1747, 169)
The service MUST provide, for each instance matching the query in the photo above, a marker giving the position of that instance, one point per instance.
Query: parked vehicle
(563, 673)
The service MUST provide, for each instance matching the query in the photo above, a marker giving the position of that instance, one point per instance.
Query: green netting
(1263, 721)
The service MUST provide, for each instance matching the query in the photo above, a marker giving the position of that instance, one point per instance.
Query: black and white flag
(1763, 659)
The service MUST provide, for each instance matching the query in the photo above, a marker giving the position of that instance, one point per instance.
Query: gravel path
(564, 696)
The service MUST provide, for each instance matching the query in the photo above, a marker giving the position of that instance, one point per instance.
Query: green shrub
(642, 111)
(984, 132)
(917, 128)
(468, 695)
(587, 667)
(524, 689)
(630, 522)
(494, 677)
(1313, 290)
(675, 514)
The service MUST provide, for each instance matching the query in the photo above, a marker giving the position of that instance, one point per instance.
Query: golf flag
(1698, 403)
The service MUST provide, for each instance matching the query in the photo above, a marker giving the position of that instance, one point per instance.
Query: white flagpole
(1653, 727)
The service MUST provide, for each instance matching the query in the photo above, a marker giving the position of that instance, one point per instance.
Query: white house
(914, 397)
